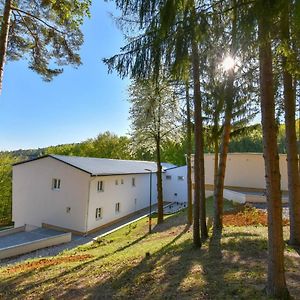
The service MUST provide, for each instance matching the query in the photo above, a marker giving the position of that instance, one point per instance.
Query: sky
(76, 105)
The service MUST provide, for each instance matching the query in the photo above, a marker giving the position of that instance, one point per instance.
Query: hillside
(118, 267)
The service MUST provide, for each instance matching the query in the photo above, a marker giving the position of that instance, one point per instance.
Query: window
(122, 181)
(133, 181)
(98, 213)
(169, 177)
(117, 208)
(117, 182)
(68, 210)
(55, 184)
(100, 186)
(180, 178)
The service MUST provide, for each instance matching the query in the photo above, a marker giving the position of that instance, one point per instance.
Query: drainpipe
(88, 205)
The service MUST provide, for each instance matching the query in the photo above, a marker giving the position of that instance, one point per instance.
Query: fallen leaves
(248, 217)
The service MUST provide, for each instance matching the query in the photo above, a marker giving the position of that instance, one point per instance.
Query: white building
(245, 170)
(175, 184)
(80, 194)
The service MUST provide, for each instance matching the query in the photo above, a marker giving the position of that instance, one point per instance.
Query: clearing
(131, 264)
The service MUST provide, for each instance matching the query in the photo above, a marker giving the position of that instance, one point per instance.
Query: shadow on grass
(297, 249)
(178, 270)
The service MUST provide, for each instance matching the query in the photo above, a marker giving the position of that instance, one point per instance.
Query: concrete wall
(131, 198)
(12, 230)
(35, 245)
(245, 170)
(175, 189)
(35, 202)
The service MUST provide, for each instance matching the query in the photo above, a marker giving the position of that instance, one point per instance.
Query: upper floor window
(180, 178)
(55, 184)
(133, 181)
(122, 181)
(169, 177)
(117, 182)
(100, 186)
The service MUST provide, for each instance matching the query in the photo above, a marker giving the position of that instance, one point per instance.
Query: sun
(228, 63)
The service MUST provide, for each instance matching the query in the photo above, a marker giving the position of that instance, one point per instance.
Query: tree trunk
(276, 285)
(216, 163)
(199, 192)
(188, 157)
(160, 208)
(4, 38)
(219, 187)
(291, 137)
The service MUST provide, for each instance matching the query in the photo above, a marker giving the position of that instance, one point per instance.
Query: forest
(109, 145)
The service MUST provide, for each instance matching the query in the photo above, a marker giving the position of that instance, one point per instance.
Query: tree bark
(199, 192)
(219, 187)
(4, 38)
(188, 157)
(216, 162)
(291, 137)
(160, 208)
(276, 285)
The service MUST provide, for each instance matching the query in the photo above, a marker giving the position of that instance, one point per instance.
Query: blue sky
(76, 105)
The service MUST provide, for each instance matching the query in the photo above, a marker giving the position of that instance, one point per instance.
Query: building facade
(79, 194)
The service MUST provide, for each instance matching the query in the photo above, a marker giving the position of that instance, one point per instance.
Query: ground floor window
(98, 213)
(117, 208)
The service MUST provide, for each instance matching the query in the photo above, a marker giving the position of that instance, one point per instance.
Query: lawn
(130, 264)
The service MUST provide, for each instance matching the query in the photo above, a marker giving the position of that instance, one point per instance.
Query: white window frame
(99, 213)
(100, 186)
(56, 184)
(117, 207)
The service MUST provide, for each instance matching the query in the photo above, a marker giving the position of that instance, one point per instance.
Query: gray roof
(106, 166)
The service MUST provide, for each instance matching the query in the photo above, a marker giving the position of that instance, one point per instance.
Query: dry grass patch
(45, 262)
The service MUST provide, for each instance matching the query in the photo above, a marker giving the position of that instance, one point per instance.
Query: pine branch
(37, 18)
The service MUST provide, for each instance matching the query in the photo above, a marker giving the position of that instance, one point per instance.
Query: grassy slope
(233, 267)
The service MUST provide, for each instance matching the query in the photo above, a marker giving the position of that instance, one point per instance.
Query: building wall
(131, 198)
(35, 202)
(245, 170)
(175, 184)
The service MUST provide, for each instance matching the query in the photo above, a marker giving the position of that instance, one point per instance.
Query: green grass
(131, 264)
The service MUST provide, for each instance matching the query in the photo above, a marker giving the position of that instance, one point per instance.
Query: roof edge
(53, 157)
